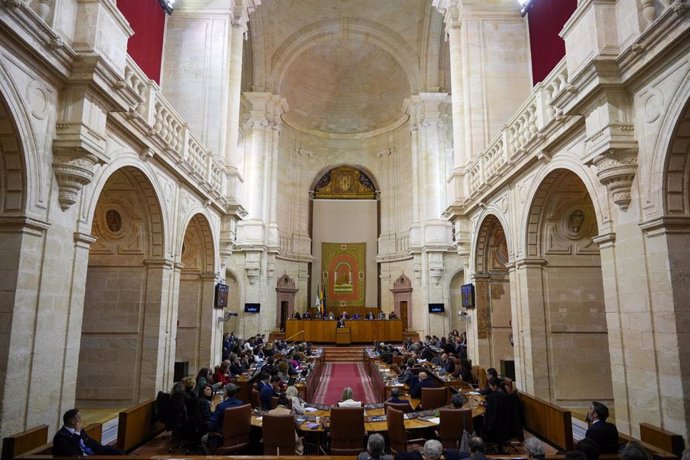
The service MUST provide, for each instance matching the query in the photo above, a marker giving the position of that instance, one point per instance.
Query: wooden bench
(548, 421)
(137, 425)
(35, 441)
(19, 443)
(662, 439)
(657, 453)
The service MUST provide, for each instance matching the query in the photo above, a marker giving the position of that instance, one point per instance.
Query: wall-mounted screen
(252, 307)
(437, 308)
(467, 291)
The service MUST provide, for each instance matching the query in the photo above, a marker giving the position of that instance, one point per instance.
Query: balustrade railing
(535, 113)
(181, 144)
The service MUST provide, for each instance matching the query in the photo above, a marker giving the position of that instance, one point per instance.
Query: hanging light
(524, 6)
(167, 5)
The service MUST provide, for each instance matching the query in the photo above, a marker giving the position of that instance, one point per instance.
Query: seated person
(381, 315)
(534, 449)
(347, 399)
(356, 316)
(269, 391)
(72, 441)
(222, 374)
(369, 315)
(491, 373)
(306, 315)
(447, 364)
(344, 315)
(296, 315)
(393, 315)
(464, 371)
(292, 395)
(215, 424)
(477, 448)
(375, 449)
(433, 450)
(282, 409)
(331, 316)
(458, 400)
(600, 431)
(424, 382)
(591, 449)
(395, 397)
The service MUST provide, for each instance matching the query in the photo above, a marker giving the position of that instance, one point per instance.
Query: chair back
(451, 426)
(279, 434)
(396, 430)
(398, 359)
(256, 400)
(237, 423)
(402, 406)
(433, 398)
(347, 430)
(482, 379)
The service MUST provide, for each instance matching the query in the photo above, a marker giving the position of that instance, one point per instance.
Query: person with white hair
(534, 448)
(347, 399)
(375, 449)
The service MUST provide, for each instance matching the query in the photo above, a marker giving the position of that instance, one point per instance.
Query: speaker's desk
(361, 330)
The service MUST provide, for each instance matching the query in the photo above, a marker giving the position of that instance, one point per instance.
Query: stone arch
(488, 224)
(493, 310)
(202, 233)
(363, 30)
(126, 301)
(323, 171)
(197, 331)
(149, 191)
(676, 111)
(676, 172)
(546, 184)
(563, 308)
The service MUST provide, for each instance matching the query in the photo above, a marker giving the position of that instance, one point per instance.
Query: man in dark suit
(341, 322)
(600, 431)
(448, 364)
(213, 439)
(424, 382)
(72, 441)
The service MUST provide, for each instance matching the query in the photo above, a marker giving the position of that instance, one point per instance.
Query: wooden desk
(362, 331)
(343, 336)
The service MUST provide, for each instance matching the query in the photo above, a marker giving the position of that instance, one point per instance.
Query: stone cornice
(665, 225)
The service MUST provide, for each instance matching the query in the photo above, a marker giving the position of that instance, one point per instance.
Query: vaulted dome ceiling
(344, 67)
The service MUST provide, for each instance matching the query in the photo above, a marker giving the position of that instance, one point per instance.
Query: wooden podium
(343, 336)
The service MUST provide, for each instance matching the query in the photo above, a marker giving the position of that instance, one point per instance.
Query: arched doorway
(493, 306)
(458, 321)
(196, 325)
(124, 315)
(565, 299)
(344, 228)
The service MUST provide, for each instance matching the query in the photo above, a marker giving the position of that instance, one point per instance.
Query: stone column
(531, 363)
(210, 330)
(160, 275)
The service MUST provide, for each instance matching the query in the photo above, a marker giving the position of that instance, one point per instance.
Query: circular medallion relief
(574, 223)
(113, 220)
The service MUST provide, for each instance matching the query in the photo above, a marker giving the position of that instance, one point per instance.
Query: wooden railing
(662, 439)
(548, 421)
(137, 425)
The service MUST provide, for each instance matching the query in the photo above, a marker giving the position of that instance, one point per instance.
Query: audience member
(634, 451)
(534, 448)
(424, 382)
(375, 449)
(72, 440)
(590, 448)
(268, 392)
(214, 437)
(297, 404)
(347, 399)
(395, 396)
(458, 400)
(600, 431)
(477, 448)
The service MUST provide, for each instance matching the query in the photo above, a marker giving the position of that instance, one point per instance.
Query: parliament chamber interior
(374, 229)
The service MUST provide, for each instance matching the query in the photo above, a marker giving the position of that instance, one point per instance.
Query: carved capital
(73, 169)
(616, 170)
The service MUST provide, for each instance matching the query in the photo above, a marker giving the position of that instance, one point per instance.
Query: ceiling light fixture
(167, 5)
(525, 6)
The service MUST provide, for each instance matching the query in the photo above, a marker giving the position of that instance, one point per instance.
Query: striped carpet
(337, 376)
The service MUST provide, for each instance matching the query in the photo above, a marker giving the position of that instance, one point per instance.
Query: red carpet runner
(337, 376)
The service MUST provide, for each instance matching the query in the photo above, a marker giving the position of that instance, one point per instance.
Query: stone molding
(73, 168)
(616, 170)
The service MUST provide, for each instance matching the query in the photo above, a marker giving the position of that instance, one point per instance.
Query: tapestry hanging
(344, 274)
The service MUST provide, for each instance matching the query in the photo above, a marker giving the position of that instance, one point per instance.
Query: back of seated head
(634, 451)
(282, 400)
(458, 400)
(275, 378)
(433, 449)
(492, 372)
(395, 393)
(265, 376)
(534, 447)
(375, 445)
(476, 444)
(590, 448)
